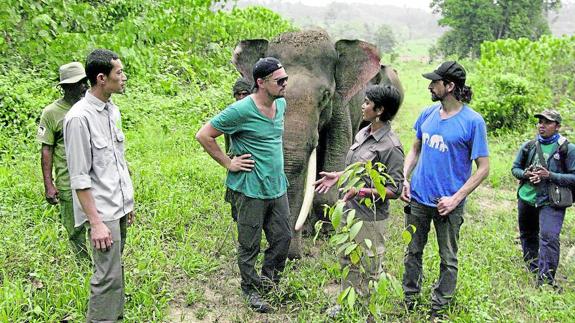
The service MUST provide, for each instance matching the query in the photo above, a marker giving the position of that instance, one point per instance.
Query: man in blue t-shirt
(449, 136)
(256, 176)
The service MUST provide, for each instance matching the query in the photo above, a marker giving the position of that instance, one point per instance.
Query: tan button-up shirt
(383, 146)
(94, 145)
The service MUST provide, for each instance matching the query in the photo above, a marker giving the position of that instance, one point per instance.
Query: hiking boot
(257, 303)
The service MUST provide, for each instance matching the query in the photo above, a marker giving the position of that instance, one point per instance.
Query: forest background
(180, 257)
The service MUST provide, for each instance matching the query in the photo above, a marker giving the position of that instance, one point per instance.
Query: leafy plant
(347, 227)
(514, 78)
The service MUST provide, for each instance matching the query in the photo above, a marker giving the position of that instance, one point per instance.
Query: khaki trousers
(107, 283)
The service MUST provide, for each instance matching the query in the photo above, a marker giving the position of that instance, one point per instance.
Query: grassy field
(180, 256)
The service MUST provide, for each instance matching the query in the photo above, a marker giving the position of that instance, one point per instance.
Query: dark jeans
(447, 231)
(539, 229)
(272, 216)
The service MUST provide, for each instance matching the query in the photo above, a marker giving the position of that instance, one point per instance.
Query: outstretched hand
(241, 163)
(326, 182)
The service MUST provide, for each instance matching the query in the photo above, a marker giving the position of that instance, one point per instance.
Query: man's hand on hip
(241, 163)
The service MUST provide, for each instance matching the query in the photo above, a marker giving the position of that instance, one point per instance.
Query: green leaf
(368, 243)
(350, 217)
(406, 236)
(367, 201)
(354, 257)
(339, 238)
(337, 213)
(351, 297)
(343, 295)
(355, 230)
(350, 248)
(343, 247)
(345, 272)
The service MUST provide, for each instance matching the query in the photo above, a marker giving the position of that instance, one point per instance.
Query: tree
(384, 38)
(475, 21)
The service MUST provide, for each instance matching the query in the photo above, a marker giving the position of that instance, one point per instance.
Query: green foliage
(347, 227)
(473, 22)
(170, 48)
(516, 78)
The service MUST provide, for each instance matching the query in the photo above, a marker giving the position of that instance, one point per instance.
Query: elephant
(326, 87)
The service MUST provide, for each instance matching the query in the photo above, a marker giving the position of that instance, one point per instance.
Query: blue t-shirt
(253, 133)
(448, 148)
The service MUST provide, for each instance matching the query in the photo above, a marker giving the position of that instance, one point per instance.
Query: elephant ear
(246, 54)
(357, 64)
(388, 75)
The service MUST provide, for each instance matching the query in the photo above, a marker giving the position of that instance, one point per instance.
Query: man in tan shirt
(102, 189)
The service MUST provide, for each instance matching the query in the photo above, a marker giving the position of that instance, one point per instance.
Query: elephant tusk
(309, 191)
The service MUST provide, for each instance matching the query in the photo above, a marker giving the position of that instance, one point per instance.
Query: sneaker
(333, 311)
(257, 303)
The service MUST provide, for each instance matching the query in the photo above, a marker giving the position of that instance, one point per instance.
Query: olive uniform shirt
(50, 133)
(383, 146)
(95, 152)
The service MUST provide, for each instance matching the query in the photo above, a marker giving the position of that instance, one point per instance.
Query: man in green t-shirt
(540, 222)
(74, 84)
(256, 176)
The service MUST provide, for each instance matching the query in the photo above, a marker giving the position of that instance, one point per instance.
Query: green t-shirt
(527, 191)
(50, 133)
(253, 133)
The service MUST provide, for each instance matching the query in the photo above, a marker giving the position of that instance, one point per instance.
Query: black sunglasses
(281, 81)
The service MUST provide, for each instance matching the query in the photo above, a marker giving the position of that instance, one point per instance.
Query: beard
(435, 97)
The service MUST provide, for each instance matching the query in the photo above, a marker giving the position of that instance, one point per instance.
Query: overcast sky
(421, 4)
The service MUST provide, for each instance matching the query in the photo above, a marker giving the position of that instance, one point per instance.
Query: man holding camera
(543, 164)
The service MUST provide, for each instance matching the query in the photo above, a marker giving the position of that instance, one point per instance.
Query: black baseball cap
(449, 71)
(265, 66)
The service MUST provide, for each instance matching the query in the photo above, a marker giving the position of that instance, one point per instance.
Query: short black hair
(99, 61)
(387, 97)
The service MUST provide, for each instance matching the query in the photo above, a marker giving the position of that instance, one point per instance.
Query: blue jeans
(447, 231)
(539, 229)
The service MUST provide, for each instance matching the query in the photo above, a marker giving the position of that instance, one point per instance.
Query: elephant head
(323, 79)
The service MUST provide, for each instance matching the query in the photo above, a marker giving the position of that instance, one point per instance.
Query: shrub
(516, 77)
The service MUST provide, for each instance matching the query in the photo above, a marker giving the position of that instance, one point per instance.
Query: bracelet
(363, 192)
